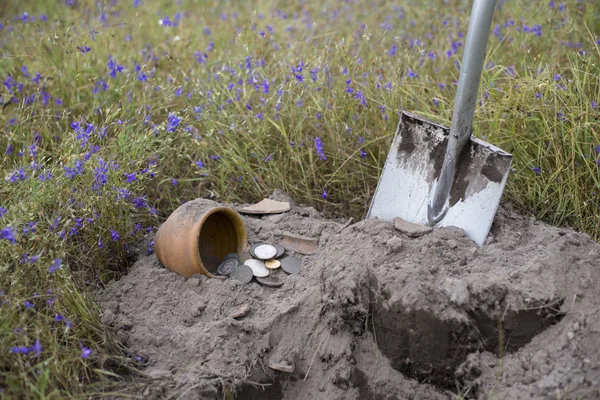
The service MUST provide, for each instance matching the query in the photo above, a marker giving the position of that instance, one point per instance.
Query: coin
(280, 250)
(232, 256)
(272, 264)
(291, 265)
(242, 273)
(270, 281)
(227, 266)
(254, 247)
(258, 268)
(265, 252)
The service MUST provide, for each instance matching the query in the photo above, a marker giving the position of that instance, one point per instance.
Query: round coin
(265, 252)
(232, 256)
(258, 268)
(227, 266)
(291, 265)
(272, 264)
(280, 250)
(270, 281)
(242, 273)
(254, 247)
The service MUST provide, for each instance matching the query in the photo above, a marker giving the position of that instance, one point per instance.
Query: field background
(115, 112)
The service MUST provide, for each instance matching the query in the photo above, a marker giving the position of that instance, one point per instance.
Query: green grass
(557, 133)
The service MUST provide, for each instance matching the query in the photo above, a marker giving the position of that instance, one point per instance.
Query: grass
(230, 100)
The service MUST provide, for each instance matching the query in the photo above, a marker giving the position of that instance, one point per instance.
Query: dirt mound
(375, 314)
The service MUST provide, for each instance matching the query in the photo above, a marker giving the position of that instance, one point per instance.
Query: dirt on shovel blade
(375, 314)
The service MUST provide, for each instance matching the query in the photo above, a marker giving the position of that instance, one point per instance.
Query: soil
(374, 314)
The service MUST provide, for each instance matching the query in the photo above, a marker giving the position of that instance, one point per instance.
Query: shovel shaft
(464, 106)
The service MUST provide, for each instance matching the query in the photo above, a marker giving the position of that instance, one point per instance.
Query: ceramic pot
(196, 237)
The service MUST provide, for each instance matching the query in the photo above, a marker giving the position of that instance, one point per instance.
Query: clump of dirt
(375, 314)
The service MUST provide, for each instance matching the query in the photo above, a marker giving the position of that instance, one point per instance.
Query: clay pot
(196, 237)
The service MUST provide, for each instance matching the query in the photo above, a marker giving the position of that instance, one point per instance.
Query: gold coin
(273, 264)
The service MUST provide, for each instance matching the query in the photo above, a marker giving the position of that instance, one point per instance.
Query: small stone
(108, 317)
(514, 274)
(434, 269)
(575, 326)
(282, 367)
(193, 282)
(242, 311)
(410, 229)
(393, 245)
(570, 335)
(113, 306)
(490, 239)
(123, 337)
(452, 243)
(457, 290)
(198, 311)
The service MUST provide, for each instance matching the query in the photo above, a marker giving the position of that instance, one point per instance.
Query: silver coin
(265, 252)
(242, 273)
(291, 265)
(232, 256)
(254, 247)
(280, 250)
(227, 267)
(258, 268)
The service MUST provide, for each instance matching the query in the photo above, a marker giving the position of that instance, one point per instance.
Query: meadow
(114, 113)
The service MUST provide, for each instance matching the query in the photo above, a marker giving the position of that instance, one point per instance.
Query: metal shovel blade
(412, 170)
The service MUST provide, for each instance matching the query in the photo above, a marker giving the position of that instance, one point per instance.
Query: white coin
(265, 252)
(258, 268)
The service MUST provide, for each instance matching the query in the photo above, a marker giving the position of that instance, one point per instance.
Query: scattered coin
(220, 277)
(242, 273)
(265, 252)
(254, 247)
(270, 281)
(258, 268)
(291, 265)
(232, 256)
(272, 264)
(280, 250)
(227, 266)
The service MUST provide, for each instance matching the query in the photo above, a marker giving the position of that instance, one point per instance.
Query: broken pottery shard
(281, 367)
(300, 244)
(242, 311)
(266, 206)
(410, 229)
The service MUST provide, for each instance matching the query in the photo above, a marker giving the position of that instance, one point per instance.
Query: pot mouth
(218, 232)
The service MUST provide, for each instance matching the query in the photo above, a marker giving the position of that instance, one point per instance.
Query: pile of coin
(265, 258)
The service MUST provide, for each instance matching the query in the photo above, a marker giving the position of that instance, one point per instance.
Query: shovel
(437, 176)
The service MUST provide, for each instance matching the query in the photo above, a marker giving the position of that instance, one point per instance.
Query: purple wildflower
(19, 350)
(55, 265)
(319, 148)
(8, 233)
(115, 235)
(172, 122)
(85, 352)
(37, 348)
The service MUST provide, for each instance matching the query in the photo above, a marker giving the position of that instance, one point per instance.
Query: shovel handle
(464, 106)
